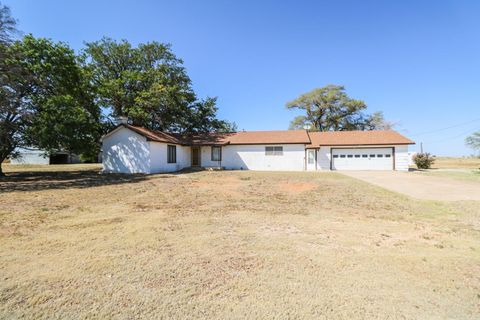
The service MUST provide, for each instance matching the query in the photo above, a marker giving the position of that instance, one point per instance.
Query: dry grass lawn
(463, 169)
(465, 175)
(454, 163)
(231, 245)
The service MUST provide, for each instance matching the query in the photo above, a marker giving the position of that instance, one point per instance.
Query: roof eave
(366, 144)
(261, 143)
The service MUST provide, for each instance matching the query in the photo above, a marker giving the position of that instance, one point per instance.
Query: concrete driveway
(420, 186)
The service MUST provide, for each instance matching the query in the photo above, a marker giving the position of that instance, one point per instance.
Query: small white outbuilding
(30, 156)
(35, 156)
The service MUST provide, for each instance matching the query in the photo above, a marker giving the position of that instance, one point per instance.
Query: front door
(311, 159)
(196, 157)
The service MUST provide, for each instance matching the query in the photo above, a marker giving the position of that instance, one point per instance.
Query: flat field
(456, 163)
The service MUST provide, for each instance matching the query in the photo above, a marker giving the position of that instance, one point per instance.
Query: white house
(132, 149)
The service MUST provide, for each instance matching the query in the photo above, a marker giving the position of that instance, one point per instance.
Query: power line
(446, 128)
(456, 136)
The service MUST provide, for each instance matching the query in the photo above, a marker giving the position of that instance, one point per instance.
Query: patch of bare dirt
(296, 187)
(229, 186)
(279, 229)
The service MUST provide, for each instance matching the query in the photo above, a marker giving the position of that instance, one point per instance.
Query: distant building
(37, 156)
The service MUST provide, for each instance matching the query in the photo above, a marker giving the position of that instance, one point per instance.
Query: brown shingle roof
(353, 138)
(217, 138)
(311, 139)
(247, 137)
(157, 136)
(270, 137)
(208, 138)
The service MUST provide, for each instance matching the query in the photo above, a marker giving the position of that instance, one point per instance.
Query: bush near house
(423, 160)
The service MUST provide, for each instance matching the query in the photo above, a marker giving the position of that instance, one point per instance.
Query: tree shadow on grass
(37, 180)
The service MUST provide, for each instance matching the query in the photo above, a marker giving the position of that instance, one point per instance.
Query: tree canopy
(44, 100)
(376, 121)
(473, 141)
(330, 109)
(149, 85)
(7, 24)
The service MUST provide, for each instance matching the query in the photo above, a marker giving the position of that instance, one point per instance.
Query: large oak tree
(45, 101)
(330, 109)
(149, 85)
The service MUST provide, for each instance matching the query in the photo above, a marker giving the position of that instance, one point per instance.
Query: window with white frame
(274, 151)
(216, 153)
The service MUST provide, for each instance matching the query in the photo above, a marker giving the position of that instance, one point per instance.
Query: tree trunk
(2, 158)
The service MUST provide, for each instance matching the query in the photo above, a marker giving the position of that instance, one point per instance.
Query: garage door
(362, 159)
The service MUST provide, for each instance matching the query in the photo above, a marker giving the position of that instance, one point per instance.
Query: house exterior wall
(206, 157)
(401, 158)
(125, 151)
(401, 155)
(323, 158)
(159, 158)
(252, 157)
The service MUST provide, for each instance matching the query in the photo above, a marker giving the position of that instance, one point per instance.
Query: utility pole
(421, 147)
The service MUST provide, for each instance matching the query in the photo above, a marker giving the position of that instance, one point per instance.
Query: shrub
(423, 160)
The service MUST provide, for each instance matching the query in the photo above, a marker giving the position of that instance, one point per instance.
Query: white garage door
(362, 159)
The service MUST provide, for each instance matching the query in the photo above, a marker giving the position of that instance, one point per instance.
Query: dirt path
(419, 186)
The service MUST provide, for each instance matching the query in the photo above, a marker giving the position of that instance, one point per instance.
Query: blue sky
(417, 61)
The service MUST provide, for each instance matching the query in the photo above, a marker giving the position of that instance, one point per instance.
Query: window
(311, 156)
(274, 151)
(364, 155)
(379, 155)
(357, 156)
(171, 154)
(335, 155)
(372, 156)
(350, 156)
(387, 156)
(216, 153)
(342, 156)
